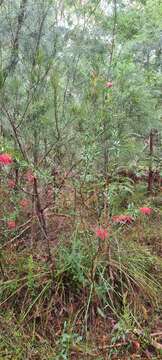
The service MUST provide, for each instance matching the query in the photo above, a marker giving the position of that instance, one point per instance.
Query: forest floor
(93, 299)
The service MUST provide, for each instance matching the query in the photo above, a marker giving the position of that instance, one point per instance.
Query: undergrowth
(51, 310)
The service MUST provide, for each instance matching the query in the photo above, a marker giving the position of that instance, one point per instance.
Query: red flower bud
(24, 203)
(101, 233)
(145, 210)
(11, 224)
(11, 183)
(135, 346)
(108, 84)
(30, 177)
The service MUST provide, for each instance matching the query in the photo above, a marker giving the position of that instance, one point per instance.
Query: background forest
(81, 179)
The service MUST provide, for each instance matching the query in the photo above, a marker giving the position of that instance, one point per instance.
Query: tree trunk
(151, 173)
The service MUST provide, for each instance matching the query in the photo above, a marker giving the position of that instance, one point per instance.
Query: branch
(15, 132)
(14, 52)
(113, 34)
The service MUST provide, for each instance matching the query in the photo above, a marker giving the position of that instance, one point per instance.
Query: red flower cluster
(5, 159)
(101, 233)
(11, 183)
(122, 219)
(145, 210)
(109, 84)
(11, 224)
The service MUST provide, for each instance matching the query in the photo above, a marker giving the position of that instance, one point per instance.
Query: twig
(59, 215)
(156, 334)
(15, 237)
(41, 218)
(100, 348)
(156, 345)
(112, 346)
(114, 30)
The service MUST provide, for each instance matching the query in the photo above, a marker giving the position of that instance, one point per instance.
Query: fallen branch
(156, 345)
(112, 346)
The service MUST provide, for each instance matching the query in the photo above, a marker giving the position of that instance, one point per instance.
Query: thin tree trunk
(151, 173)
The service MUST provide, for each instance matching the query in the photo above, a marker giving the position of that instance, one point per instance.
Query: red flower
(24, 203)
(11, 224)
(101, 233)
(108, 84)
(30, 177)
(5, 159)
(145, 210)
(11, 183)
(122, 219)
